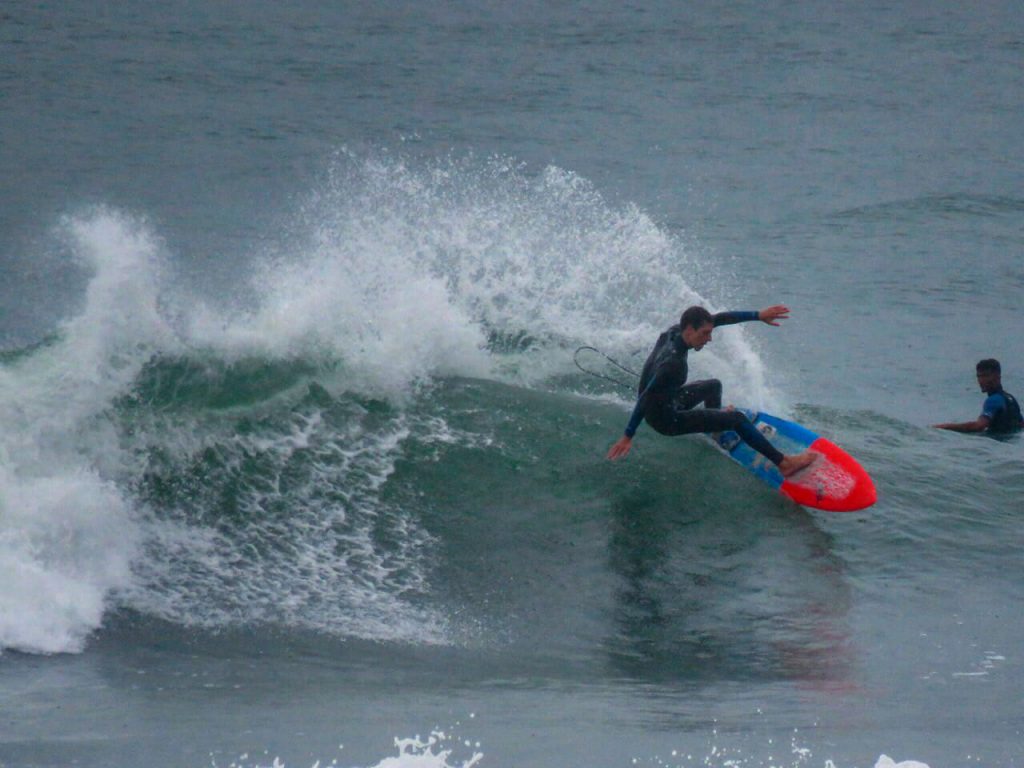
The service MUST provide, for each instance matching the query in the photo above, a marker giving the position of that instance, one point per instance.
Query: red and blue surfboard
(835, 481)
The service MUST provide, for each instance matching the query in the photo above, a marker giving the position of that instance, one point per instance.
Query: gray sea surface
(296, 467)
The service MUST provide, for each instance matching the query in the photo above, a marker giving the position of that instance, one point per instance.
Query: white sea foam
(887, 762)
(438, 750)
(445, 750)
(301, 545)
(65, 541)
(407, 271)
(67, 536)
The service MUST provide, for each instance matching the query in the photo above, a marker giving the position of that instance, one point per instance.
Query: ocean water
(297, 469)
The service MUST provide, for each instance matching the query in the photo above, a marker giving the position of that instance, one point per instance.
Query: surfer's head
(989, 374)
(695, 326)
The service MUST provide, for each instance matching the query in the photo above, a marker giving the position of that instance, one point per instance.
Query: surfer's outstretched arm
(769, 315)
(624, 443)
(621, 447)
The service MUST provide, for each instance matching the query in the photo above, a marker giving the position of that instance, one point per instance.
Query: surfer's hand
(771, 314)
(621, 448)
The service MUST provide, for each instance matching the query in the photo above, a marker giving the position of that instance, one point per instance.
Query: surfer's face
(696, 338)
(988, 380)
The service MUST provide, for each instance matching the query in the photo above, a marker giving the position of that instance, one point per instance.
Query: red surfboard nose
(836, 482)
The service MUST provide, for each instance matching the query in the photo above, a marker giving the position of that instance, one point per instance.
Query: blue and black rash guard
(666, 369)
(1002, 411)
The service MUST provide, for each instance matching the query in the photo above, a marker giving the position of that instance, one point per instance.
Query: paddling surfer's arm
(980, 424)
(999, 413)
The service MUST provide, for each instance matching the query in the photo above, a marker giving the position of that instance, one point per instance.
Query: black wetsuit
(1003, 412)
(668, 403)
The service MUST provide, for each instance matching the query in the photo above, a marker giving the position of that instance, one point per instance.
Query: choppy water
(296, 466)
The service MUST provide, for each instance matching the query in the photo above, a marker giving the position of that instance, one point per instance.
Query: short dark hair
(988, 365)
(695, 317)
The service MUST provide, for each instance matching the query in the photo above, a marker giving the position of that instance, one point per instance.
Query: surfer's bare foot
(790, 465)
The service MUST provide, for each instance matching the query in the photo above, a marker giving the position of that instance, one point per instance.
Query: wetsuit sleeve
(992, 406)
(731, 318)
(638, 410)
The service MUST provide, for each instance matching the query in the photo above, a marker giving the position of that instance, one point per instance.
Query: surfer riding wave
(669, 404)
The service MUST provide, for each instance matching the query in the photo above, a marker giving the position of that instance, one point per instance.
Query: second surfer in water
(668, 403)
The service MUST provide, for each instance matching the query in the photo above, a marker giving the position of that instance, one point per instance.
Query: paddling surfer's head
(989, 375)
(695, 326)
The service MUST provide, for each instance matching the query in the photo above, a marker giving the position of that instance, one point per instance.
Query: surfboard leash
(595, 374)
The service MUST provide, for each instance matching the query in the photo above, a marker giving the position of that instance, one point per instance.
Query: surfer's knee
(711, 393)
(736, 420)
(711, 389)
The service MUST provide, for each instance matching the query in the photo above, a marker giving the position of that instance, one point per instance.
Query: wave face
(220, 462)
